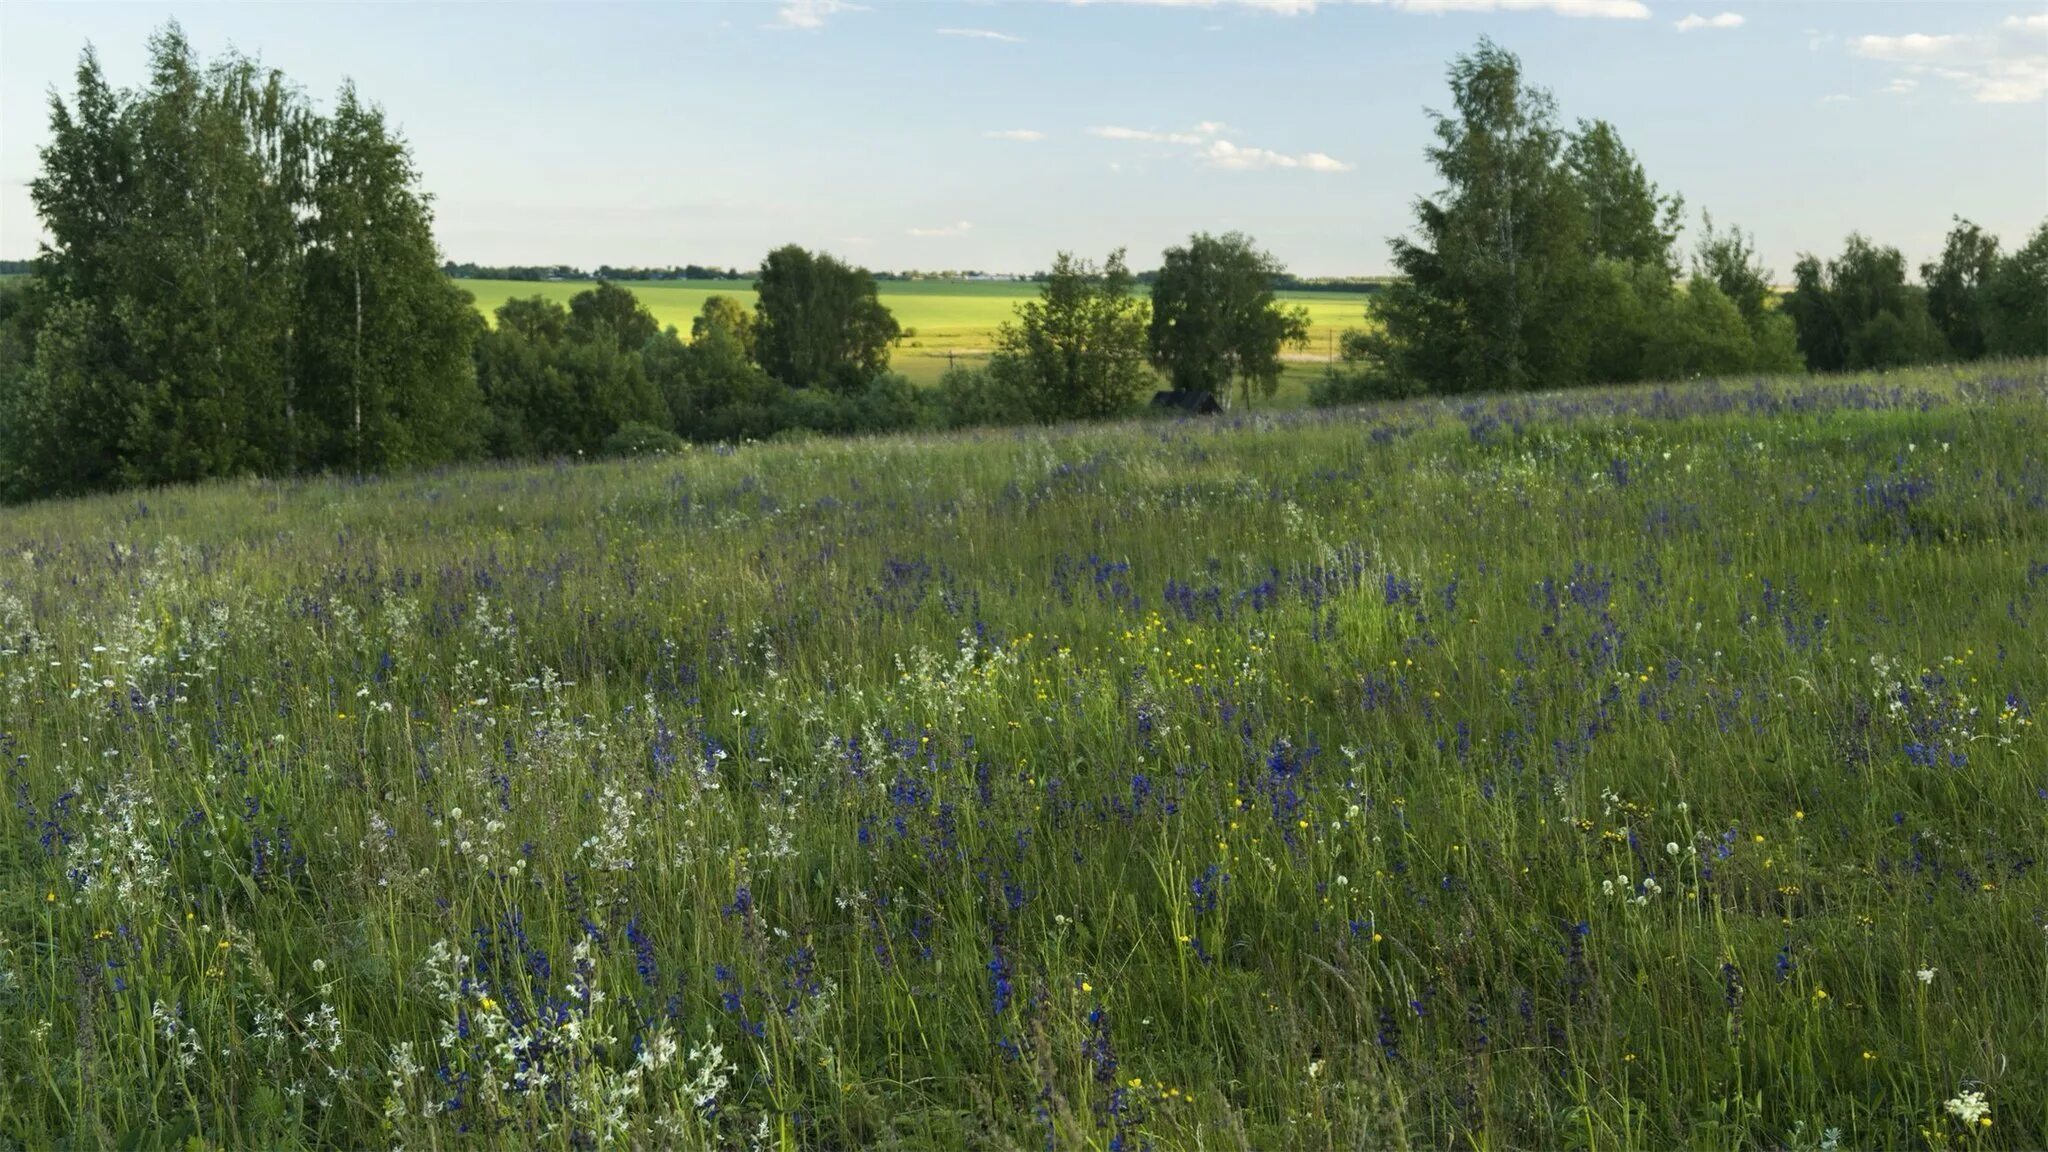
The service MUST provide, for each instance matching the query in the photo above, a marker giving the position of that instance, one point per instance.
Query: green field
(1659, 767)
(951, 317)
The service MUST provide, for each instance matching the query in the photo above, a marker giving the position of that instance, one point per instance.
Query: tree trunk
(356, 364)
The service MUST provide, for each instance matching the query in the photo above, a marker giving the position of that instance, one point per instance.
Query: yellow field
(946, 321)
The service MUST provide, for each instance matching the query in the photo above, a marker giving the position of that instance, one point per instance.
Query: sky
(949, 134)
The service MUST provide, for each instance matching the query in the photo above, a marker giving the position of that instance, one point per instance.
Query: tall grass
(1643, 768)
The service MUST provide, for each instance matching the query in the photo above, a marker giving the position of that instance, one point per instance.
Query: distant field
(953, 319)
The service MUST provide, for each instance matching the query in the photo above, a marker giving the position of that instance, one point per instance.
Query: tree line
(468, 271)
(600, 376)
(236, 284)
(1549, 259)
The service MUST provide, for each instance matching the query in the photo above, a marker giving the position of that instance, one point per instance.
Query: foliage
(1496, 279)
(233, 284)
(611, 313)
(1956, 287)
(970, 396)
(1359, 376)
(638, 439)
(1626, 218)
(1729, 259)
(387, 379)
(2016, 300)
(1078, 351)
(1215, 319)
(729, 314)
(1857, 311)
(557, 380)
(819, 323)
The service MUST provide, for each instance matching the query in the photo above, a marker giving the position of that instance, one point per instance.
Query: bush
(821, 410)
(1360, 376)
(638, 439)
(2018, 300)
(971, 397)
(890, 404)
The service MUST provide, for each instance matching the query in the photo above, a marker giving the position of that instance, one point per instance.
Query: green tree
(195, 287)
(1626, 218)
(611, 312)
(2016, 301)
(725, 396)
(1729, 259)
(1857, 311)
(1700, 332)
(1215, 319)
(819, 322)
(232, 284)
(555, 388)
(64, 428)
(387, 376)
(1492, 295)
(729, 314)
(970, 396)
(1956, 287)
(1079, 350)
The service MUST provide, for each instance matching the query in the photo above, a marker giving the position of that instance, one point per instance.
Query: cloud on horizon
(1599, 9)
(2006, 66)
(981, 34)
(1207, 145)
(1023, 135)
(943, 231)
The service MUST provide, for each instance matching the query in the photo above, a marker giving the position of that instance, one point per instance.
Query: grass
(954, 320)
(1651, 767)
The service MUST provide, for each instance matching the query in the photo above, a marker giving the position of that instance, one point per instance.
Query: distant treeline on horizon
(1284, 282)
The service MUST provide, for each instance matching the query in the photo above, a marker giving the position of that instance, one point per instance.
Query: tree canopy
(1079, 350)
(1216, 321)
(233, 284)
(819, 323)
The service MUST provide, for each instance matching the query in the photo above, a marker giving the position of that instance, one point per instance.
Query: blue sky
(951, 134)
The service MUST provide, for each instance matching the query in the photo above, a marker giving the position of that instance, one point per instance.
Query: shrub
(640, 439)
(970, 397)
(1359, 376)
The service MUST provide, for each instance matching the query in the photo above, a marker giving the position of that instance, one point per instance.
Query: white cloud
(1278, 7)
(855, 241)
(942, 231)
(1597, 9)
(1694, 21)
(1224, 154)
(1143, 136)
(1836, 98)
(1024, 135)
(808, 15)
(1607, 9)
(2007, 66)
(1902, 85)
(1209, 147)
(981, 34)
(1911, 46)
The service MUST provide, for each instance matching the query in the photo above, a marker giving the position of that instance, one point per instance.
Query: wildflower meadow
(1639, 768)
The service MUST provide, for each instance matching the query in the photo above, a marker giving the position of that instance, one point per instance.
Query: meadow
(1651, 767)
(955, 320)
